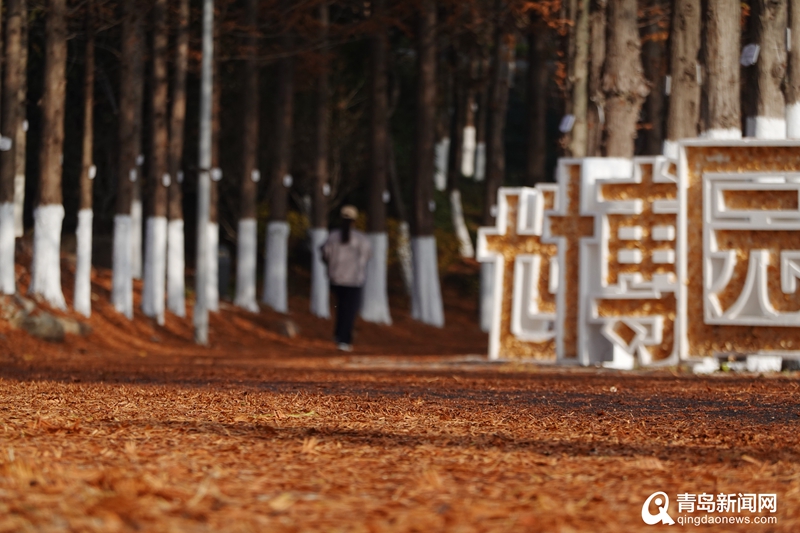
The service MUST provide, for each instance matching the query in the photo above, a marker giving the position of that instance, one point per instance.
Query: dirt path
(133, 428)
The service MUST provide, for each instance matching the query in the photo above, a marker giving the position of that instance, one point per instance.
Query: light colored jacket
(347, 263)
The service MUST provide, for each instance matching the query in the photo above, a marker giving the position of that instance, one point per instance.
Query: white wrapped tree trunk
(136, 239)
(122, 276)
(46, 268)
(468, 153)
(176, 283)
(487, 292)
(246, 261)
(404, 256)
(426, 298)
(320, 297)
(155, 268)
(375, 297)
(465, 247)
(770, 128)
(441, 150)
(19, 204)
(276, 266)
(480, 162)
(82, 300)
(212, 290)
(7, 227)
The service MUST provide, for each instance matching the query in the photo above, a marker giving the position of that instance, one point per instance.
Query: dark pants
(348, 302)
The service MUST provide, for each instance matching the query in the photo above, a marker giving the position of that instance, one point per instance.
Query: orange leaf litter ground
(133, 428)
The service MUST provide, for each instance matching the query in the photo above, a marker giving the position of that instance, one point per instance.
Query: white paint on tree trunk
(728, 134)
(176, 283)
(793, 120)
(136, 239)
(46, 268)
(480, 162)
(82, 301)
(19, 204)
(375, 297)
(468, 152)
(246, 261)
(275, 269)
(465, 247)
(426, 298)
(155, 268)
(320, 297)
(440, 176)
(212, 286)
(122, 277)
(7, 242)
(404, 256)
(770, 128)
(487, 295)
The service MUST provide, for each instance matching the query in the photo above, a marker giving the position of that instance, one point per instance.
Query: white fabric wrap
(465, 247)
(730, 134)
(46, 268)
(442, 150)
(7, 278)
(375, 296)
(426, 299)
(468, 154)
(276, 265)
(246, 261)
(404, 256)
(793, 120)
(83, 268)
(19, 203)
(122, 278)
(487, 293)
(155, 268)
(176, 284)
(212, 287)
(320, 297)
(770, 127)
(136, 239)
(480, 162)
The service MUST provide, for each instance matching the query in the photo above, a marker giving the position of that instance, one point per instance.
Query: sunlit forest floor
(133, 428)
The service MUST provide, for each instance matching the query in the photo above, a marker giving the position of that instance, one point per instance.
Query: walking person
(346, 253)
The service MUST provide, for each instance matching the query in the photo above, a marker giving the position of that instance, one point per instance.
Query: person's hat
(349, 212)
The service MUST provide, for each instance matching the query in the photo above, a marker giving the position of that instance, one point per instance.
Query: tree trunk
(9, 118)
(212, 289)
(597, 57)
(496, 120)
(130, 122)
(480, 127)
(793, 75)
(275, 275)
(155, 267)
(49, 213)
(176, 261)
(722, 84)
(538, 77)
(654, 55)
(469, 135)
(577, 138)
(375, 300)
(21, 137)
(770, 105)
(684, 99)
(246, 259)
(83, 268)
(623, 79)
(459, 90)
(426, 301)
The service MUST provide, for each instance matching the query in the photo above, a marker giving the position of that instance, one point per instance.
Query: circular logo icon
(661, 501)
